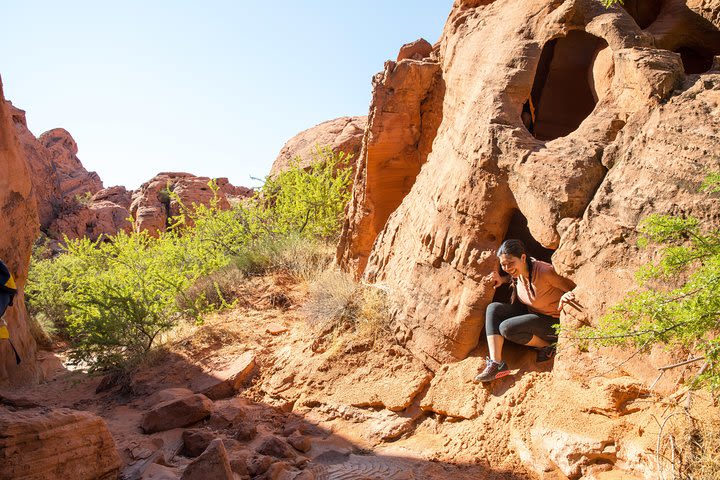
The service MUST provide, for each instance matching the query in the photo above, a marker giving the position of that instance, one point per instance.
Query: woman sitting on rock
(537, 298)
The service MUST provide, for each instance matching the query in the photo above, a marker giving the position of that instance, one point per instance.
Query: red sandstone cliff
(19, 226)
(607, 97)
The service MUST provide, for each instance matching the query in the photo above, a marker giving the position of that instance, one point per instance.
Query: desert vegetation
(113, 299)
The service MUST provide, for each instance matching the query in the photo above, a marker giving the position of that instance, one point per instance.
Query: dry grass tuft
(336, 302)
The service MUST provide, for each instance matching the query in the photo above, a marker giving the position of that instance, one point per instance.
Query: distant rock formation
(342, 134)
(152, 206)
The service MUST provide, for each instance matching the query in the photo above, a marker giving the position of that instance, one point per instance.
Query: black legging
(517, 324)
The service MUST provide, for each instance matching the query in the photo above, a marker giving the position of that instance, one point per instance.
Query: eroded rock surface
(43, 444)
(19, 222)
(341, 135)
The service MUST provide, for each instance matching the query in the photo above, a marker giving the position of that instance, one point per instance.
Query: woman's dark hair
(517, 248)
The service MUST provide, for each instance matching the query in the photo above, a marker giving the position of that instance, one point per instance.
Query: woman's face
(513, 265)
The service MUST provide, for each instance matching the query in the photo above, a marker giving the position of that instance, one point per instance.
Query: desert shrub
(114, 299)
(678, 302)
(300, 257)
(84, 199)
(213, 292)
(337, 301)
(309, 202)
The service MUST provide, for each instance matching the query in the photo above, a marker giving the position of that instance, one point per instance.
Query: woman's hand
(496, 278)
(568, 298)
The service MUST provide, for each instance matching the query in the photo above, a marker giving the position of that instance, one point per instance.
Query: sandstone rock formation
(405, 113)
(19, 224)
(563, 123)
(341, 135)
(43, 444)
(105, 213)
(152, 206)
(70, 199)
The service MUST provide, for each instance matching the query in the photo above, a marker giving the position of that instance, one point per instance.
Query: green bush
(678, 303)
(113, 299)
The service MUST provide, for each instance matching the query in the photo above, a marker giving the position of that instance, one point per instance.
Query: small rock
(259, 465)
(280, 471)
(227, 415)
(224, 383)
(196, 441)
(167, 395)
(275, 447)
(246, 431)
(305, 475)
(159, 472)
(177, 413)
(212, 464)
(276, 329)
(299, 441)
(239, 461)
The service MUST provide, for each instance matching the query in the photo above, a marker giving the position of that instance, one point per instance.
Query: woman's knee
(493, 309)
(514, 334)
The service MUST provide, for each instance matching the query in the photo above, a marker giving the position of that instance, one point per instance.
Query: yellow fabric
(4, 334)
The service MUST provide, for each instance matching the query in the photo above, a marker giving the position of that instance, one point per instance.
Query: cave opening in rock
(562, 94)
(644, 12)
(696, 60)
(518, 229)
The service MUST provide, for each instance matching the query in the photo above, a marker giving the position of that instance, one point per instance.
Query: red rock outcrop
(342, 134)
(152, 206)
(405, 113)
(43, 444)
(20, 226)
(102, 215)
(564, 123)
(73, 179)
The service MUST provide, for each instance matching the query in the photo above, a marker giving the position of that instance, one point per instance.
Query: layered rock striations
(342, 134)
(48, 444)
(20, 226)
(562, 123)
(405, 113)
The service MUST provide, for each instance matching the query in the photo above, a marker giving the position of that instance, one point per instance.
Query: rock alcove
(563, 93)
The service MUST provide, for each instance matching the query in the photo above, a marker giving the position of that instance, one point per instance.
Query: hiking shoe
(493, 370)
(545, 353)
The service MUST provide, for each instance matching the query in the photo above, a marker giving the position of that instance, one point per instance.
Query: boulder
(340, 135)
(226, 382)
(300, 442)
(47, 444)
(19, 221)
(195, 441)
(275, 447)
(418, 50)
(213, 463)
(177, 413)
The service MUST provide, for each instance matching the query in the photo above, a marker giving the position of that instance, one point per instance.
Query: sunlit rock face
(20, 226)
(559, 122)
(153, 206)
(342, 134)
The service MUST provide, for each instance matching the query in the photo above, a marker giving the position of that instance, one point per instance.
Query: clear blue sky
(213, 88)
